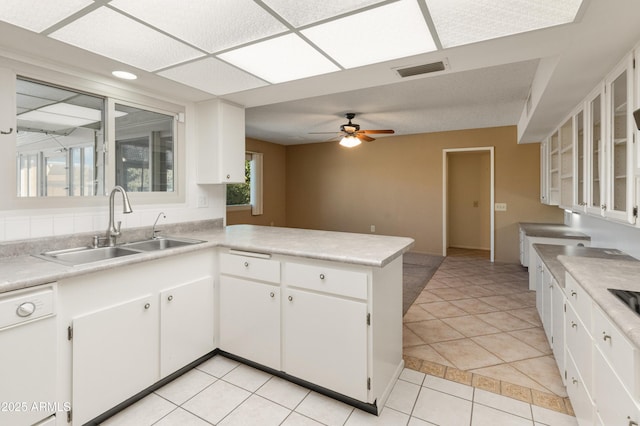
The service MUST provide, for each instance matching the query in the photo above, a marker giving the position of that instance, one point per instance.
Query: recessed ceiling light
(125, 75)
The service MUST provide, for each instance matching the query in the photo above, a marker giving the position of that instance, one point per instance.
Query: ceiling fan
(352, 135)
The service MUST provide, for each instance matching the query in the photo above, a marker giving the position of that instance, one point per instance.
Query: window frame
(255, 186)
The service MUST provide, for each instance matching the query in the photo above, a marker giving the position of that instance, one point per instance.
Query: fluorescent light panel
(38, 15)
(280, 59)
(212, 25)
(299, 13)
(213, 76)
(110, 34)
(387, 32)
(461, 22)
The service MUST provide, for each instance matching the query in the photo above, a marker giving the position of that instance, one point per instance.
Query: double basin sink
(82, 255)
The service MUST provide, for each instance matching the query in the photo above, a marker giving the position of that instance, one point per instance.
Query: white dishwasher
(28, 356)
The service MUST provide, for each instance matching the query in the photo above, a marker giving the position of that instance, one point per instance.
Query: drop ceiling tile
(280, 59)
(211, 25)
(111, 34)
(38, 15)
(387, 32)
(461, 22)
(299, 13)
(213, 76)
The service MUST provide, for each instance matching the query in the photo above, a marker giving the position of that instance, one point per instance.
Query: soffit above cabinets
(224, 46)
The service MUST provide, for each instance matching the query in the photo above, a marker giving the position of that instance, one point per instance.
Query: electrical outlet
(501, 207)
(373, 228)
(203, 201)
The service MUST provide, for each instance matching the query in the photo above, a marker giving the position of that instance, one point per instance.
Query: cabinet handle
(574, 380)
(573, 293)
(246, 264)
(228, 176)
(272, 294)
(574, 325)
(603, 206)
(322, 276)
(290, 298)
(147, 305)
(170, 298)
(605, 336)
(631, 422)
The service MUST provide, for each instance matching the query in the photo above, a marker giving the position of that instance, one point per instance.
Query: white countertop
(361, 249)
(596, 276)
(551, 230)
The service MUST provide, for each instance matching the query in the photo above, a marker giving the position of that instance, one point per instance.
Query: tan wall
(274, 181)
(469, 199)
(395, 183)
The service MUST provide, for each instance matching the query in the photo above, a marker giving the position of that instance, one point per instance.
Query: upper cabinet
(619, 143)
(590, 163)
(221, 142)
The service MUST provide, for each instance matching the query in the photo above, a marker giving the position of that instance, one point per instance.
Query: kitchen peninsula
(322, 309)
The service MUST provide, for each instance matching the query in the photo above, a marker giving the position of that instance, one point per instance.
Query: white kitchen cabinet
(221, 142)
(580, 398)
(115, 355)
(614, 405)
(619, 168)
(547, 303)
(544, 173)
(580, 179)
(566, 169)
(531, 255)
(118, 327)
(558, 303)
(325, 341)
(186, 324)
(250, 320)
(595, 151)
(554, 169)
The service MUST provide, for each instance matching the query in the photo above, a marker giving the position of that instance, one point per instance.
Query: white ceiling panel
(461, 22)
(38, 15)
(280, 59)
(211, 25)
(213, 76)
(299, 13)
(133, 43)
(387, 32)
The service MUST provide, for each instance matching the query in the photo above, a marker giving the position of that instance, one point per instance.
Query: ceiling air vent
(421, 69)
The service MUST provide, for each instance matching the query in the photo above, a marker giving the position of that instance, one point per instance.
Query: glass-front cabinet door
(566, 164)
(554, 169)
(619, 149)
(595, 151)
(580, 162)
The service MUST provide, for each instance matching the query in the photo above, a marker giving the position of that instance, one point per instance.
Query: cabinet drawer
(580, 345)
(579, 299)
(615, 347)
(341, 282)
(614, 405)
(250, 267)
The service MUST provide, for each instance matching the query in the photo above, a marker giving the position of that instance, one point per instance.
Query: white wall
(607, 234)
(22, 219)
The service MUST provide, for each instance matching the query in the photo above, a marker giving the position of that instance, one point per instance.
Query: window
(248, 194)
(144, 150)
(60, 132)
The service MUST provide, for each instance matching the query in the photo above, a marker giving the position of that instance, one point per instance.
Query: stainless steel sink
(161, 243)
(81, 255)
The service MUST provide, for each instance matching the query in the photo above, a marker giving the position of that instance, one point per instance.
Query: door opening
(468, 199)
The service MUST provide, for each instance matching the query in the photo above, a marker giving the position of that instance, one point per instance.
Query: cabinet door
(250, 320)
(186, 324)
(566, 164)
(619, 169)
(547, 296)
(544, 173)
(595, 152)
(557, 324)
(115, 356)
(613, 403)
(580, 162)
(325, 341)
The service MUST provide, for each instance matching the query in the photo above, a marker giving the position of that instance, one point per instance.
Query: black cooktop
(629, 298)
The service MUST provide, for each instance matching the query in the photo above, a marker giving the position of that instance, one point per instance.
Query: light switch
(501, 207)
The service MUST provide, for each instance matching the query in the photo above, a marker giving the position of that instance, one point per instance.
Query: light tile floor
(223, 392)
(476, 323)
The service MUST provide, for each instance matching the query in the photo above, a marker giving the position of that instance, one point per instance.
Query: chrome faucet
(154, 231)
(114, 229)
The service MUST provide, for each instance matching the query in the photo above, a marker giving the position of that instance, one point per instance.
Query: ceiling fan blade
(364, 137)
(373, 132)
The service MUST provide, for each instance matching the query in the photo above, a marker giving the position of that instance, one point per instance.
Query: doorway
(468, 199)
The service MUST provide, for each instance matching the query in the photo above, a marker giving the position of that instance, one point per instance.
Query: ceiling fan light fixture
(350, 141)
